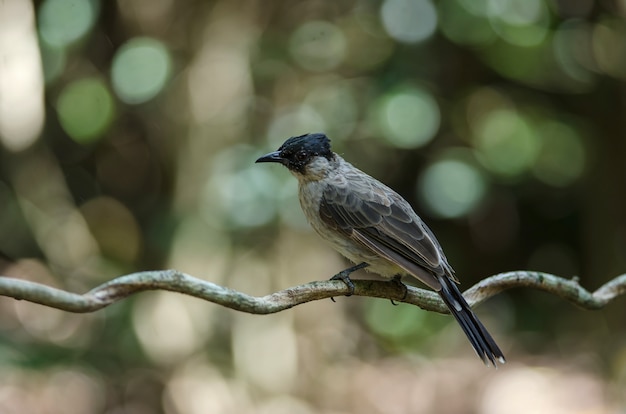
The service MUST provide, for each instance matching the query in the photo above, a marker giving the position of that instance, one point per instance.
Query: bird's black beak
(272, 157)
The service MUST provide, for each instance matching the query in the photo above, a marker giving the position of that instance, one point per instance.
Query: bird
(375, 228)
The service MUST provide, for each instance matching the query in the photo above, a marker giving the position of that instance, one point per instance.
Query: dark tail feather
(481, 340)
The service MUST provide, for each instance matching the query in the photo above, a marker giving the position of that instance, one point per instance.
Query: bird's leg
(344, 276)
(397, 280)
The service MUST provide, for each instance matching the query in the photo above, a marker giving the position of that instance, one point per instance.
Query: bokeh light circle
(140, 70)
(238, 193)
(86, 109)
(409, 21)
(63, 22)
(451, 188)
(506, 142)
(409, 118)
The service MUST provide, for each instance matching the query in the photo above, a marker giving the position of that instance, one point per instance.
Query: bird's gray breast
(310, 195)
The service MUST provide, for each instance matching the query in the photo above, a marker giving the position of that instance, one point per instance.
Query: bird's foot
(397, 280)
(344, 276)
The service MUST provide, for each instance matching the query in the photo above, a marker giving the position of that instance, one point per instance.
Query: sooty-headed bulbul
(374, 227)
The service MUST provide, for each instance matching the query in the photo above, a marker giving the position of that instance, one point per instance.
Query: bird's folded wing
(384, 222)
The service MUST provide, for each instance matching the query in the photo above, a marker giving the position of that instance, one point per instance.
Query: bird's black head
(297, 152)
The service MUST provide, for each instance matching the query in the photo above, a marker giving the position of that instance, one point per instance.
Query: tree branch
(172, 280)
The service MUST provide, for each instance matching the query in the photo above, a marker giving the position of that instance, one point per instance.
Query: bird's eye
(301, 155)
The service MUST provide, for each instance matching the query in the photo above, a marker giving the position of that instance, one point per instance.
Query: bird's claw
(397, 280)
(344, 276)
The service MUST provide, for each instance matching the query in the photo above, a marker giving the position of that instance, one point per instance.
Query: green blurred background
(128, 134)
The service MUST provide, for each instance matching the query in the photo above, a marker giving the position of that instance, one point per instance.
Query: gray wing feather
(377, 217)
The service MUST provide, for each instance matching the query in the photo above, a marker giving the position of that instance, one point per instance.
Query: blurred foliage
(128, 132)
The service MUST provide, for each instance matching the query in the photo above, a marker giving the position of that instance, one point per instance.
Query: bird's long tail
(481, 340)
